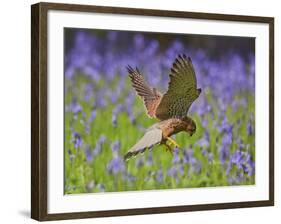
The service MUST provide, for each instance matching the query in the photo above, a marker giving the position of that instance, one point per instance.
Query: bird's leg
(168, 147)
(173, 142)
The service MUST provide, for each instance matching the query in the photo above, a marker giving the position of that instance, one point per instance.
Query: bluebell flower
(93, 116)
(172, 172)
(250, 129)
(181, 169)
(129, 177)
(89, 154)
(208, 155)
(204, 141)
(91, 72)
(139, 41)
(98, 146)
(116, 165)
(227, 139)
(115, 147)
(249, 165)
(71, 155)
(224, 153)
(195, 167)
(77, 140)
(139, 162)
(187, 156)
(237, 159)
(225, 127)
(88, 92)
(114, 120)
(159, 176)
(149, 160)
(101, 139)
(75, 107)
(100, 101)
(176, 157)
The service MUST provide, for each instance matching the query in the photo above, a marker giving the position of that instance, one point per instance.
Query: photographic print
(155, 111)
(141, 111)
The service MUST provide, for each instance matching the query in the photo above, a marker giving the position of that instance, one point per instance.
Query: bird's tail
(152, 137)
(134, 153)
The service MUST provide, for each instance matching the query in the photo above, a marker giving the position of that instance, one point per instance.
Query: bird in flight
(170, 108)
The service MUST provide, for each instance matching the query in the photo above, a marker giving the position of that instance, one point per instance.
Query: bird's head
(190, 126)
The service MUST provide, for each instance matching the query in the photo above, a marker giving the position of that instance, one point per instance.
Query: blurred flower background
(104, 117)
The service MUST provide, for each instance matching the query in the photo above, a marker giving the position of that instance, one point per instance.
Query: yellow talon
(168, 148)
(173, 142)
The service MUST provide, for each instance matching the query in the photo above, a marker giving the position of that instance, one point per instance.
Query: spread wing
(150, 96)
(182, 90)
(152, 137)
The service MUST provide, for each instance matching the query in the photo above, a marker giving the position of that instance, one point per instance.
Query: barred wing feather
(150, 96)
(182, 90)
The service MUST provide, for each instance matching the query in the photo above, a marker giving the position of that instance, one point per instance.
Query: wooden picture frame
(39, 110)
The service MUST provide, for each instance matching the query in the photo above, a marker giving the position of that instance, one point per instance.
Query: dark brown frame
(39, 107)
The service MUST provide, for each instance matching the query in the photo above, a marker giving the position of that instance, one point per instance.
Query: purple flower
(129, 177)
(75, 107)
(205, 122)
(132, 118)
(172, 172)
(77, 140)
(176, 158)
(208, 155)
(115, 147)
(116, 165)
(195, 167)
(250, 129)
(115, 112)
(149, 160)
(139, 41)
(237, 159)
(224, 153)
(249, 165)
(114, 98)
(89, 154)
(101, 140)
(187, 156)
(159, 176)
(225, 127)
(181, 169)
(139, 162)
(88, 94)
(114, 120)
(130, 99)
(227, 139)
(245, 165)
(71, 155)
(204, 141)
(93, 116)
(97, 149)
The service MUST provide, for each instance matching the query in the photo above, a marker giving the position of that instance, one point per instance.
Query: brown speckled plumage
(170, 108)
(173, 126)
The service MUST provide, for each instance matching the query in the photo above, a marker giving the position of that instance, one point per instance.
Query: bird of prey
(170, 108)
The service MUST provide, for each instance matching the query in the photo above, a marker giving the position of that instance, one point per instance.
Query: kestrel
(170, 108)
